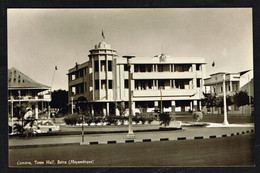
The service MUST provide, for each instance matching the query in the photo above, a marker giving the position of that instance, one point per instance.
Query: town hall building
(173, 84)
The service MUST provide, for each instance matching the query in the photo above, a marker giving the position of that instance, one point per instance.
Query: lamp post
(71, 105)
(130, 126)
(225, 101)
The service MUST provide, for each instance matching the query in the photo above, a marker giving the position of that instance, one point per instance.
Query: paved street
(230, 151)
(186, 132)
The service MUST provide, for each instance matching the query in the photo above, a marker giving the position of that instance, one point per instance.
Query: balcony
(164, 75)
(168, 93)
(76, 81)
(30, 98)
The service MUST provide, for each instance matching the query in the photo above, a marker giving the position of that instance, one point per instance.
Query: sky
(40, 39)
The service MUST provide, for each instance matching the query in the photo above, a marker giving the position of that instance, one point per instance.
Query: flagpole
(53, 76)
(49, 109)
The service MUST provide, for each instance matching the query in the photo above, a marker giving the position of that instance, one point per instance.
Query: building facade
(24, 91)
(173, 84)
(234, 82)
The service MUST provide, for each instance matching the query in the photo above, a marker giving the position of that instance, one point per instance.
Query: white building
(241, 81)
(22, 90)
(102, 81)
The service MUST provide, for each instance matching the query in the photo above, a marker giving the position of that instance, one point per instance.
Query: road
(228, 151)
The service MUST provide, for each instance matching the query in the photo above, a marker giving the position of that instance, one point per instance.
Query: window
(125, 67)
(103, 84)
(142, 68)
(198, 83)
(149, 68)
(103, 65)
(197, 67)
(110, 84)
(109, 65)
(126, 83)
(221, 89)
(136, 68)
(161, 84)
(160, 68)
(96, 84)
(96, 66)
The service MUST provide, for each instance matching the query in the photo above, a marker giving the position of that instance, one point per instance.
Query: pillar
(191, 106)
(195, 103)
(173, 107)
(36, 111)
(107, 109)
(92, 109)
(12, 113)
(133, 108)
(104, 109)
(156, 105)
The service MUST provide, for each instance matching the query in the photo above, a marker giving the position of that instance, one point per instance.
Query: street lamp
(130, 126)
(71, 105)
(225, 101)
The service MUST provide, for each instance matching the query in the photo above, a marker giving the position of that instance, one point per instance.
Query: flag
(103, 34)
(56, 67)
(213, 64)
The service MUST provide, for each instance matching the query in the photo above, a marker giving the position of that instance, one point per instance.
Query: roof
(16, 79)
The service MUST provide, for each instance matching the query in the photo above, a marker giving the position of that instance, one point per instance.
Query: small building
(234, 82)
(22, 90)
(174, 84)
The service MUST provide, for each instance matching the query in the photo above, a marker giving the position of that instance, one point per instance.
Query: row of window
(163, 67)
(103, 66)
(147, 84)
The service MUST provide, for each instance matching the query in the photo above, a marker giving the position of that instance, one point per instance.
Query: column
(191, 106)
(231, 88)
(156, 105)
(104, 110)
(133, 108)
(173, 107)
(195, 103)
(12, 113)
(107, 109)
(36, 111)
(92, 109)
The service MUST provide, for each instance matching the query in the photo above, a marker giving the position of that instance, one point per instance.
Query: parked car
(43, 126)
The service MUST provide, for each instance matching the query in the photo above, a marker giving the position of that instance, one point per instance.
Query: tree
(220, 102)
(59, 100)
(209, 101)
(241, 98)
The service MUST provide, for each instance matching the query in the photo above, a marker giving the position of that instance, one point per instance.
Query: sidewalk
(214, 130)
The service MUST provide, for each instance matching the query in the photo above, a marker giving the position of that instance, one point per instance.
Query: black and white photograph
(130, 87)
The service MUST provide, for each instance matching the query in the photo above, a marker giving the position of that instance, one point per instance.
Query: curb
(134, 141)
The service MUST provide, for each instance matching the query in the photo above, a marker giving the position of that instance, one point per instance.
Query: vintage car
(43, 126)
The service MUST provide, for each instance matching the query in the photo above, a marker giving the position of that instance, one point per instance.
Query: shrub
(97, 119)
(165, 119)
(136, 119)
(142, 118)
(72, 119)
(111, 119)
(88, 119)
(150, 119)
